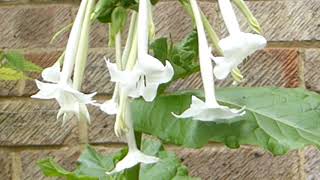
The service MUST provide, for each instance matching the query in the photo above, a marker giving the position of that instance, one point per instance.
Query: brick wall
(29, 130)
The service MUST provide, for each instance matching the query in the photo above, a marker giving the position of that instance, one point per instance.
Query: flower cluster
(137, 73)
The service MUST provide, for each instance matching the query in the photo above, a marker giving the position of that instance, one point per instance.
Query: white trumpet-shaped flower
(209, 110)
(144, 78)
(200, 110)
(58, 84)
(134, 156)
(237, 46)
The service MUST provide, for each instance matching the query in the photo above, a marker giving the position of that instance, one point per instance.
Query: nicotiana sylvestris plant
(275, 119)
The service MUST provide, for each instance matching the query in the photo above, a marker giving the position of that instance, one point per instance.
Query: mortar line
(17, 149)
(271, 44)
(301, 154)
(16, 166)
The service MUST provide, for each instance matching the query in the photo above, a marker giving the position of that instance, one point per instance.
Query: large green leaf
(276, 119)
(53, 169)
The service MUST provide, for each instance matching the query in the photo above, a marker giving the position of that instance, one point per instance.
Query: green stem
(211, 33)
(253, 22)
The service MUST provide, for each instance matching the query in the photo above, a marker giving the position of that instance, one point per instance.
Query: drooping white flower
(134, 156)
(144, 78)
(200, 110)
(58, 84)
(210, 110)
(237, 46)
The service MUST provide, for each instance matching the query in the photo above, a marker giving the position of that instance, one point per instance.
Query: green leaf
(53, 169)
(276, 119)
(11, 74)
(185, 55)
(119, 18)
(169, 167)
(18, 62)
(160, 49)
(129, 4)
(94, 164)
(103, 10)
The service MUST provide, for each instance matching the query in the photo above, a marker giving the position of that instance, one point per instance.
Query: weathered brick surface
(101, 129)
(33, 122)
(66, 157)
(312, 163)
(311, 67)
(171, 20)
(270, 67)
(32, 26)
(293, 20)
(5, 164)
(245, 163)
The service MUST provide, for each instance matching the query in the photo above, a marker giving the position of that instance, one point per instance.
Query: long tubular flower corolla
(134, 156)
(209, 110)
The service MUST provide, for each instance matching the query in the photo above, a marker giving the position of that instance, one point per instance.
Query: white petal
(76, 95)
(221, 71)
(235, 49)
(163, 76)
(150, 91)
(121, 76)
(150, 64)
(64, 115)
(133, 158)
(46, 90)
(194, 109)
(51, 74)
(213, 112)
(110, 107)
